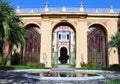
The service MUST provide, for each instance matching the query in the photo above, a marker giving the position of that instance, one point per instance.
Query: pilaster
(81, 43)
(46, 47)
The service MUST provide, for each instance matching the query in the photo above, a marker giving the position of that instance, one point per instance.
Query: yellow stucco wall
(80, 22)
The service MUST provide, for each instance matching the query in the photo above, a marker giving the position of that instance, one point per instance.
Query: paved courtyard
(7, 77)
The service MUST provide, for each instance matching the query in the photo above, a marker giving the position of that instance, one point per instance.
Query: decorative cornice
(111, 15)
(28, 14)
(69, 15)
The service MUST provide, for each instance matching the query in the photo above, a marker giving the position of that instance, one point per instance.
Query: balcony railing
(68, 10)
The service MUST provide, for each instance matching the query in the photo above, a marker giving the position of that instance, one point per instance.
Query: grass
(29, 67)
(94, 68)
(99, 68)
(20, 67)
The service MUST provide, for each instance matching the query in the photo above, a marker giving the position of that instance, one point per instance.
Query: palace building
(69, 35)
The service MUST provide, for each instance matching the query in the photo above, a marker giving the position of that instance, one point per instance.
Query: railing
(68, 10)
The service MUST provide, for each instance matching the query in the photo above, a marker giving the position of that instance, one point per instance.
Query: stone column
(55, 40)
(46, 39)
(72, 56)
(112, 29)
(55, 56)
(81, 42)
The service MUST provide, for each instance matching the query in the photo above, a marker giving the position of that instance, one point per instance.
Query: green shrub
(6, 68)
(15, 59)
(113, 81)
(115, 67)
(29, 64)
(35, 64)
(3, 61)
(41, 64)
(91, 65)
(83, 65)
(88, 65)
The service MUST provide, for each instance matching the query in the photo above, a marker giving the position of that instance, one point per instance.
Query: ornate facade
(63, 43)
(69, 36)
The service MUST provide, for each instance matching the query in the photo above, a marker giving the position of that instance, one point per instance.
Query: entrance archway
(63, 55)
(63, 43)
(97, 49)
(31, 49)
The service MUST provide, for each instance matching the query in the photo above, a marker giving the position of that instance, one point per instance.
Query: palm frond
(115, 40)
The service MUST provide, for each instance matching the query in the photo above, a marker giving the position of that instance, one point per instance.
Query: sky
(66, 3)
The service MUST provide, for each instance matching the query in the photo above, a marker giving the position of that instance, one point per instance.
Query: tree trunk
(9, 56)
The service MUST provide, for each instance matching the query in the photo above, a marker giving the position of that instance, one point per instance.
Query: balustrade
(67, 10)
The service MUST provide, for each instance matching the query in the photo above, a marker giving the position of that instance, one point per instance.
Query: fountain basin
(65, 78)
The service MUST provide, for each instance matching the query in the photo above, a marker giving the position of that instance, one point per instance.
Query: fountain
(62, 75)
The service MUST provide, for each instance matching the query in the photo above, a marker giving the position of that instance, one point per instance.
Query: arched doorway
(63, 55)
(97, 49)
(63, 43)
(31, 49)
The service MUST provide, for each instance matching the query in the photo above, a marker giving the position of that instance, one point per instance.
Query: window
(67, 36)
(59, 36)
(63, 36)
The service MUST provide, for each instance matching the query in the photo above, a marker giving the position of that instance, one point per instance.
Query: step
(63, 69)
(63, 66)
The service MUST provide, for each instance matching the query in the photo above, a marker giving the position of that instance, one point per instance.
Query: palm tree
(17, 36)
(11, 30)
(115, 42)
(5, 10)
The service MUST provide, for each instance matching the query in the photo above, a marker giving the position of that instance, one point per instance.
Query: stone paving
(17, 78)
